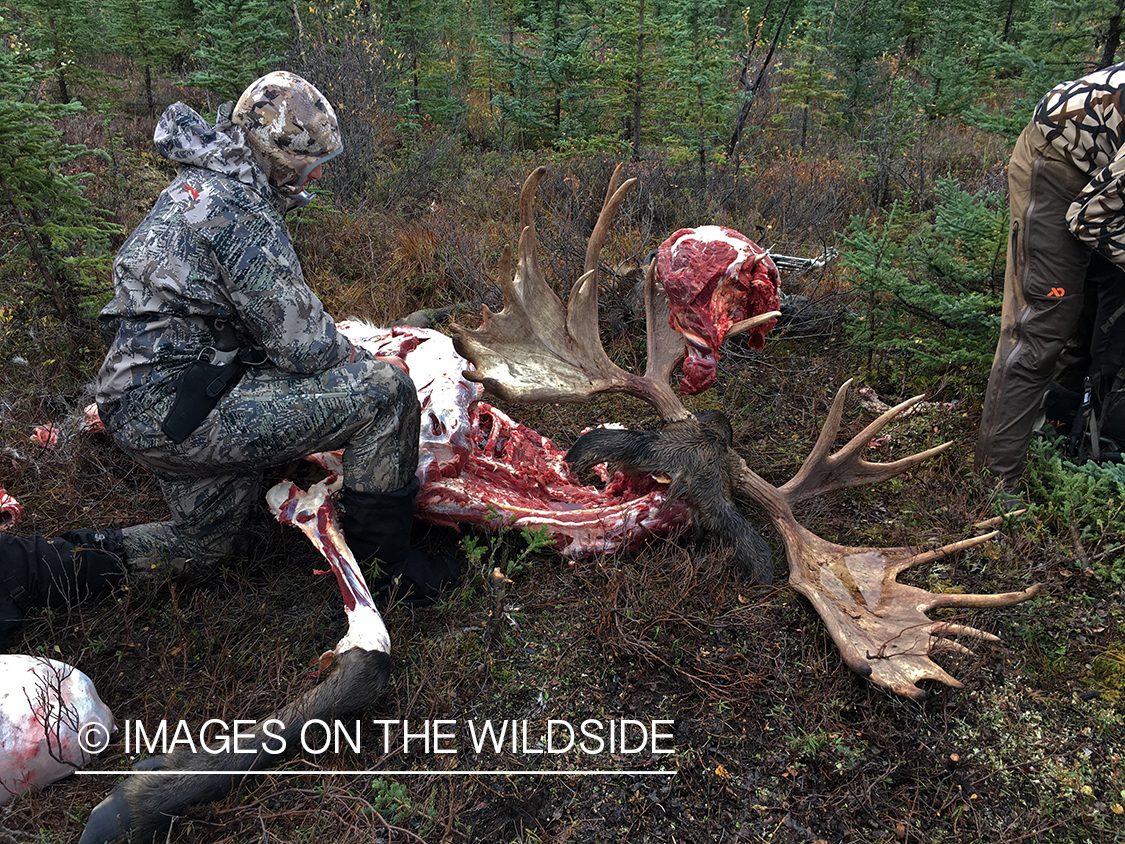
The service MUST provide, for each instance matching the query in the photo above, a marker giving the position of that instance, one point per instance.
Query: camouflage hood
(184, 137)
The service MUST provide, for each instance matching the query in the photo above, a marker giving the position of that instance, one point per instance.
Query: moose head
(538, 350)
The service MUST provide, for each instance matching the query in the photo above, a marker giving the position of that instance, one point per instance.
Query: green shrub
(1087, 501)
(933, 284)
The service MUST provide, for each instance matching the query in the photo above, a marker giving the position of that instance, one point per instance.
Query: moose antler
(879, 624)
(536, 350)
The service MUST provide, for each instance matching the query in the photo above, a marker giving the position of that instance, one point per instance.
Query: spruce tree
(405, 26)
(933, 283)
(808, 85)
(429, 46)
(148, 32)
(1052, 41)
(551, 71)
(701, 73)
(629, 38)
(55, 239)
(64, 34)
(865, 33)
(241, 40)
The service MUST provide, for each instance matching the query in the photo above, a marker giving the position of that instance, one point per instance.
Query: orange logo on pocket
(1057, 291)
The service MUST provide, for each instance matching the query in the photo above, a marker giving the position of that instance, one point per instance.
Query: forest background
(874, 128)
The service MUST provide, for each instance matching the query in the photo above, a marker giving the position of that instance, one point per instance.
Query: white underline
(379, 773)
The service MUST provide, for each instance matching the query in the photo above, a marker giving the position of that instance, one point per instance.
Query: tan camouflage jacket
(214, 245)
(1084, 120)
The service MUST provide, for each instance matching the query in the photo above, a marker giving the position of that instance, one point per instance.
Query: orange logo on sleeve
(1057, 291)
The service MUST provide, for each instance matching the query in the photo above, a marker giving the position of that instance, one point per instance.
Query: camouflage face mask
(290, 124)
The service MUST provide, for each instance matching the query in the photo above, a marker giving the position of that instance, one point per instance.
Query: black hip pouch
(200, 388)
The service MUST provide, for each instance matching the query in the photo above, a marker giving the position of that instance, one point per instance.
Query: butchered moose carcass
(538, 350)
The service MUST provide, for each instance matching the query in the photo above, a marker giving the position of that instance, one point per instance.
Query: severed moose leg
(314, 515)
(140, 807)
(537, 350)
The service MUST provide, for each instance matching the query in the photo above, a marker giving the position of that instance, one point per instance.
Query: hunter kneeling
(222, 362)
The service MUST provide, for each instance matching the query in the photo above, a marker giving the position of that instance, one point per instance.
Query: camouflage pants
(1049, 272)
(212, 480)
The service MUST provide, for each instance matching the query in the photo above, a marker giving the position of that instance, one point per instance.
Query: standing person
(1066, 186)
(222, 361)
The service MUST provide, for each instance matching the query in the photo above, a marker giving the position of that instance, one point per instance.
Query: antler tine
(827, 437)
(614, 195)
(504, 281)
(948, 628)
(529, 252)
(943, 645)
(751, 322)
(664, 346)
(941, 553)
(582, 318)
(1003, 599)
(824, 472)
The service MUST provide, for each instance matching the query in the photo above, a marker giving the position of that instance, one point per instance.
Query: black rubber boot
(36, 572)
(377, 529)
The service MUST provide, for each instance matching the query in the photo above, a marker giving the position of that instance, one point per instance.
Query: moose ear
(632, 450)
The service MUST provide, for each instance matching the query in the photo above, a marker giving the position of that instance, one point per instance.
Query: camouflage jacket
(1084, 120)
(214, 245)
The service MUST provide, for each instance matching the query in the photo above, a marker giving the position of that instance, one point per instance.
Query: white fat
(744, 249)
(445, 395)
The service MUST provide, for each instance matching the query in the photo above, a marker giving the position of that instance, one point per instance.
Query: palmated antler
(537, 350)
(879, 624)
(534, 350)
